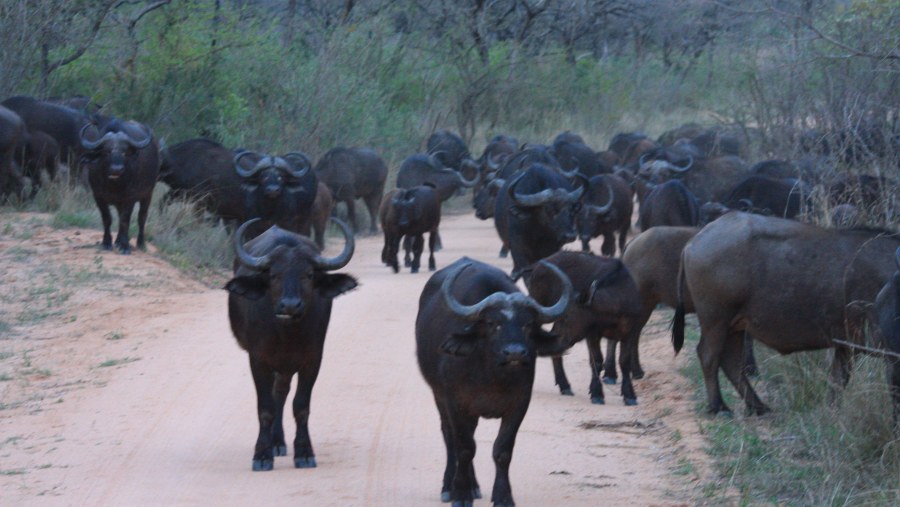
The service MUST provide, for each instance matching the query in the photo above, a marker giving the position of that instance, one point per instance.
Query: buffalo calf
(410, 213)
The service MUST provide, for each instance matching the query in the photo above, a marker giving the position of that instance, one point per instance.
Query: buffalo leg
(304, 457)
(623, 237)
(462, 489)
(407, 247)
(280, 390)
(585, 244)
(504, 251)
(106, 216)
(503, 450)
(609, 245)
(626, 360)
(559, 376)
(432, 236)
(393, 251)
(750, 367)
(373, 201)
(610, 374)
(264, 380)
(142, 220)
(450, 469)
(351, 214)
(609, 365)
(122, 238)
(595, 359)
(841, 365)
(418, 244)
(733, 366)
(709, 350)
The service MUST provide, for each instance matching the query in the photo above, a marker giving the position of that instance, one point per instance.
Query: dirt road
(127, 388)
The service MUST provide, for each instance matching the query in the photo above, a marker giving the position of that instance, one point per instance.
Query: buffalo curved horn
(469, 312)
(576, 194)
(551, 313)
(433, 156)
(244, 173)
(529, 200)
(497, 183)
(468, 183)
(642, 161)
(570, 174)
(341, 259)
(93, 145)
(494, 165)
(684, 168)
(140, 143)
(297, 173)
(602, 210)
(243, 256)
(897, 257)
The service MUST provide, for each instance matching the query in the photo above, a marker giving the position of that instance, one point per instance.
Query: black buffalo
(123, 166)
(321, 212)
(574, 155)
(62, 123)
(792, 286)
(606, 211)
(279, 306)
(203, 170)
(669, 204)
(420, 169)
(279, 190)
(12, 134)
(354, 173)
(710, 179)
(780, 197)
(410, 212)
(450, 150)
(605, 303)
(535, 215)
(38, 153)
(477, 338)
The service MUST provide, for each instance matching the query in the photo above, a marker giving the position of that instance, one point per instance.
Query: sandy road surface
(132, 391)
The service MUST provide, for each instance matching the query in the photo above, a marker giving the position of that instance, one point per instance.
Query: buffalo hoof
(598, 400)
(307, 462)
(413, 270)
(106, 246)
(609, 380)
(638, 374)
(406, 263)
(566, 391)
(630, 402)
(499, 504)
(263, 465)
(280, 450)
(476, 493)
(123, 249)
(395, 268)
(445, 496)
(462, 503)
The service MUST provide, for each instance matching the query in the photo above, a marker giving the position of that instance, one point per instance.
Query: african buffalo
(780, 197)
(38, 153)
(605, 303)
(605, 211)
(792, 286)
(535, 215)
(279, 190)
(12, 133)
(669, 204)
(420, 169)
(410, 212)
(887, 311)
(279, 306)
(354, 173)
(477, 338)
(63, 124)
(123, 166)
(450, 150)
(710, 179)
(573, 155)
(203, 170)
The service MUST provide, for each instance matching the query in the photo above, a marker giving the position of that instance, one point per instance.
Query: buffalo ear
(460, 344)
(250, 287)
(333, 285)
(548, 344)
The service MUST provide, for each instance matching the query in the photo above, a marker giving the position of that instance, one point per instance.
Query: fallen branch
(870, 350)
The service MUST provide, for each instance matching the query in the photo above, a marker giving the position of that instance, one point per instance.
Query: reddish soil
(122, 385)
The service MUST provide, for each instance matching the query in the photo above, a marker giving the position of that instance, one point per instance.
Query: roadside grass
(117, 362)
(808, 451)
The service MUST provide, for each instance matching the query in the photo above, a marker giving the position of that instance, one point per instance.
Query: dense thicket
(310, 74)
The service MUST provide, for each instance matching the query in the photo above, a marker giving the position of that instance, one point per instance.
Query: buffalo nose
(273, 191)
(515, 353)
(289, 307)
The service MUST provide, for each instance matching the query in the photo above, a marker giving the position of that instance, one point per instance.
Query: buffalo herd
(732, 243)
